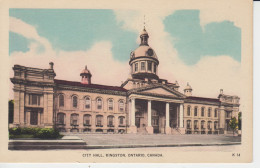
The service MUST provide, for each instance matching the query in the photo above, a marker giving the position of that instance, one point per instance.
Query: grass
(26, 136)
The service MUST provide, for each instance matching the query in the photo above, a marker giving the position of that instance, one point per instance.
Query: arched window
(216, 113)
(99, 103)
(74, 119)
(209, 124)
(196, 111)
(215, 125)
(110, 104)
(202, 111)
(196, 124)
(202, 124)
(61, 100)
(87, 120)
(110, 121)
(75, 101)
(61, 119)
(209, 112)
(121, 105)
(121, 120)
(188, 124)
(188, 111)
(99, 121)
(87, 103)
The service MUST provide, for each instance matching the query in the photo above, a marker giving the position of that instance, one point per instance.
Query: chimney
(51, 65)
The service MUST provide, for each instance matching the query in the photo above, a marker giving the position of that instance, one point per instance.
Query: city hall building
(144, 103)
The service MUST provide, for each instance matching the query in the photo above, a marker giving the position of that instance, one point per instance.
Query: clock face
(132, 54)
(150, 52)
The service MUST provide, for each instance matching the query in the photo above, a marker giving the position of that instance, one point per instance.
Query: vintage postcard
(111, 81)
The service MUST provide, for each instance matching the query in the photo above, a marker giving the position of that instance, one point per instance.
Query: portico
(150, 114)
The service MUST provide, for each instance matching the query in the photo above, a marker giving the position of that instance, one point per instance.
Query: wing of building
(144, 103)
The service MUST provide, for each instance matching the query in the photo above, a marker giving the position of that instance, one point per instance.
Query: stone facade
(144, 103)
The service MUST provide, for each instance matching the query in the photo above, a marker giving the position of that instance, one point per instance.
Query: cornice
(91, 90)
(32, 83)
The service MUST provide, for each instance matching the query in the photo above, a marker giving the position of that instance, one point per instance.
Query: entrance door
(34, 118)
(155, 121)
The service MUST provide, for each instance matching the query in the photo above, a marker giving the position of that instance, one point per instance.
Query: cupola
(188, 90)
(85, 76)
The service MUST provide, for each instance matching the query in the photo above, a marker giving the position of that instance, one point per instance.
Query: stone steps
(68, 142)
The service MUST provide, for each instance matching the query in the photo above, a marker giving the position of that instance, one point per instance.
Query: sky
(191, 47)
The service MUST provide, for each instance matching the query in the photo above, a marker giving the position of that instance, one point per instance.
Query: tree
(233, 123)
(239, 120)
(11, 111)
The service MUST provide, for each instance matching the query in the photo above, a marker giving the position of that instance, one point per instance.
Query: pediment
(161, 91)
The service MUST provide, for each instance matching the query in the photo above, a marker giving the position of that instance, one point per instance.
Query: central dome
(143, 51)
(143, 60)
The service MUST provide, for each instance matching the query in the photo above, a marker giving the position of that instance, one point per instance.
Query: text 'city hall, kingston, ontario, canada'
(144, 103)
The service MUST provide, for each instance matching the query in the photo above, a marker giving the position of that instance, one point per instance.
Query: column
(132, 112)
(221, 120)
(149, 127)
(181, 116)
(21, 109)
(149, 113)
(167, 115)
(132, 128)
(129, 113)
(177, 116)
(181, 127)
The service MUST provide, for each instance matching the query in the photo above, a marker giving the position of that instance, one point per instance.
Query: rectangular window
(209, 112)
(136, 67)
(149, 66)
(216, 113)
(154, 68)
(34, 99)
(142, 66)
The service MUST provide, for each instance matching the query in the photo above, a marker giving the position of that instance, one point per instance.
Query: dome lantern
(144, 37)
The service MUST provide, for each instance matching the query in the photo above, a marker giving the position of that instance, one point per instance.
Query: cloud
(206, 77)
(68, 65)
(194, 41)
(28, 31)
